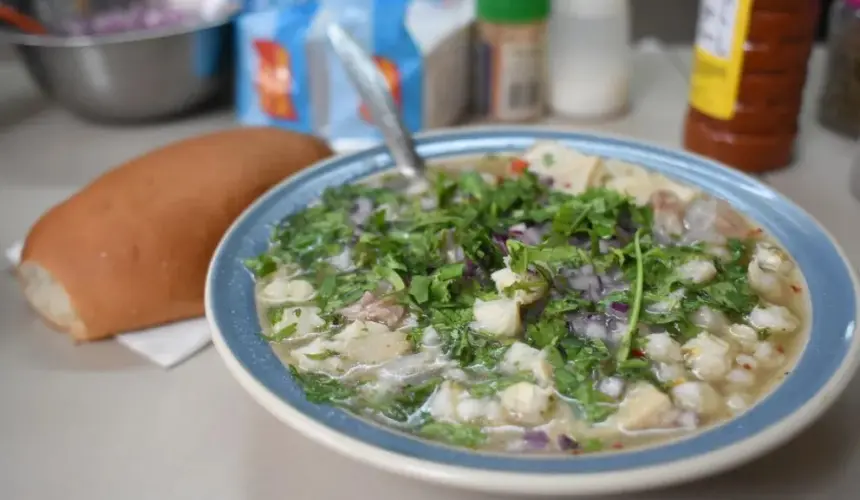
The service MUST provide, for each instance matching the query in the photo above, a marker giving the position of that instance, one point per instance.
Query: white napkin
(166, 346)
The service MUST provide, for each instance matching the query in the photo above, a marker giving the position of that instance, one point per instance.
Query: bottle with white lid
(589, 58)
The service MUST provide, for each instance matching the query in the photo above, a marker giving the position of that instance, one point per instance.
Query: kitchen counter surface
(95, 422)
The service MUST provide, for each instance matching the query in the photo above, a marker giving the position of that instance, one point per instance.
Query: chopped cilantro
(495, 383)
(262, 265)
(547, 331)
(320, 388)
(469, 436)
(419, 288)
(592, 445)
(275, 314)
(575, 364)
(408, 400)
(568, 304)
(322, 355)
(282, 334)
(627, 339)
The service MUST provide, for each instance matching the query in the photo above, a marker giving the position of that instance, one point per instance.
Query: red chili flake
(618, 446)
(780, 349)
(796, 289)
(567, 185)
(637, 353)
(747, 366)
(518, 165)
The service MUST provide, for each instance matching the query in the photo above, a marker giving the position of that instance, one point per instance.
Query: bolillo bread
(132, 248)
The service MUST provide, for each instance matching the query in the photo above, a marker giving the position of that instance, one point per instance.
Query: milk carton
(287, 75)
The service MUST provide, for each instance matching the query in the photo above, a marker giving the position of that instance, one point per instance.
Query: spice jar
(839, 106)
(589, 58)
(510, 62)
(747, 82)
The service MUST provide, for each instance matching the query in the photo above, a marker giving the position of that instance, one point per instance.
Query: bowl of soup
(550, 313)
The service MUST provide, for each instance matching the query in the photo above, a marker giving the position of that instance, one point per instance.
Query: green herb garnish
(469, 436)
(282, 334)
(624, 347)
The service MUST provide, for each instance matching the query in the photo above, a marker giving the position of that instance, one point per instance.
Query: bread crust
(132, 248)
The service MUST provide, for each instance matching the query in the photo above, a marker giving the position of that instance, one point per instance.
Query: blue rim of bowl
(830, 354)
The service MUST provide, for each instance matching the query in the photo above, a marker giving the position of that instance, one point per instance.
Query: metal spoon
(372, 89)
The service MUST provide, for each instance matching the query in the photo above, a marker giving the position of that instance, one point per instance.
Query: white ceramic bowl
(821, 373)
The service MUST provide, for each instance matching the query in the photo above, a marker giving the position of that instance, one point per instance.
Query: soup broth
(548, 303)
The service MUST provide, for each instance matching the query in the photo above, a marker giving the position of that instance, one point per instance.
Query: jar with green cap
(510, 71)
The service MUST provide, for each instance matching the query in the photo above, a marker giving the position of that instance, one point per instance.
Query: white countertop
(95, 422)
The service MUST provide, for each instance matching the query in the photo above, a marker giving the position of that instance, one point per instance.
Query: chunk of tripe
(500, 317)
(318, 356)
(282, 290)
(697, 271)
(370, 343)
(645, 407)
(640, 184)
(663, 348)
(505, 278)
(698, 397)
(773, 319)
(708, 356)
(306, 320)
(571, 171)
(526, 403)
(521, 357)
(452, 403)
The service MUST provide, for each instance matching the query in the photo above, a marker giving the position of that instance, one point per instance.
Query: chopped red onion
(588, 325)
(605, 245)
(456, 254)
(620, 307)
(616, 314)
(536, 440)
(528, 235)
(567, 443)
(616, 328)
(517, 229)
(532, 236)
(361, 211)
(501, 241)
(471, 268)
(595, 329)
(579, 240)
(453, 252)
(586, 281)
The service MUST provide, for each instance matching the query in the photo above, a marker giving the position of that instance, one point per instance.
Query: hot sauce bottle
(746, 87)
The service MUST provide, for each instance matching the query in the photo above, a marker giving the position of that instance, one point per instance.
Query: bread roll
(131, 249)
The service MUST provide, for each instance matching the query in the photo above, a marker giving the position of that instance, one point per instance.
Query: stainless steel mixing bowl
(137, 76)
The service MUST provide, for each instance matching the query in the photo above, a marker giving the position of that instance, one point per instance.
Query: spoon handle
(373, 91)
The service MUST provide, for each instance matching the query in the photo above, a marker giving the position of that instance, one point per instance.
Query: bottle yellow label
(718, 56)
